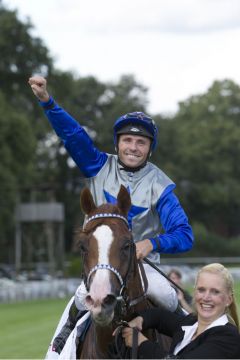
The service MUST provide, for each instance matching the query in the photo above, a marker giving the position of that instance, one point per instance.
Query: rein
(119, 343)
(145, 283)
(123, 300)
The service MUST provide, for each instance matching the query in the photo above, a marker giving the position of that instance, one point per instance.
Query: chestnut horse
(112, 275)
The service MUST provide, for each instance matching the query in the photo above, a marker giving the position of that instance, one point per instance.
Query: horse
(115, 283)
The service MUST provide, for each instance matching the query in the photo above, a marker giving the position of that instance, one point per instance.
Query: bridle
(123, 301)
(104, 267)
(122, 297)
(107, 215)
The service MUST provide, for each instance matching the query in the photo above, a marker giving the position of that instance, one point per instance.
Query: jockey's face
(133, 150)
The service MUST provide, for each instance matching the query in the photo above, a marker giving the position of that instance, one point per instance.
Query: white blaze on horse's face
(101, 286)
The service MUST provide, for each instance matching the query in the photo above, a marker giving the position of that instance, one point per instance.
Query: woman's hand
(127, 334)
(137, 322)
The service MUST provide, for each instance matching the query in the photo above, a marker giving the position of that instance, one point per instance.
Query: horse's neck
(136, 288)
(97, 342)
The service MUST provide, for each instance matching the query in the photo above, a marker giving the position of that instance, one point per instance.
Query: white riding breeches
(80, 295)
(160, 292)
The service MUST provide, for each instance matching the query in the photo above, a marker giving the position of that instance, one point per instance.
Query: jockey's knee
(165, 296)
(80, 296)
(160, 291)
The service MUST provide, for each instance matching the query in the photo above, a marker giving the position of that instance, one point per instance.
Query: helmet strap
(131, 169)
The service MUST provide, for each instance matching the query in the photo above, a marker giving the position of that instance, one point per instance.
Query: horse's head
(108, 250)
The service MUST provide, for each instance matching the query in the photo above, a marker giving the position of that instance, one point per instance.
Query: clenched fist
(39, 87)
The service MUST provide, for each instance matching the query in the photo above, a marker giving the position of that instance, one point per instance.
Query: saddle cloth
(69, 349)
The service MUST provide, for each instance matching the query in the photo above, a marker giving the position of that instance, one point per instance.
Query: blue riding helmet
(136, 123)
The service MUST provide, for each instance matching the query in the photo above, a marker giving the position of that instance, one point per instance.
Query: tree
(208, 132)
(17, 146)
(21, 55)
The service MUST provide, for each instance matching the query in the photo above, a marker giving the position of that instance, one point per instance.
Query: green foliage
(198, 148)
(17, 146)
(207, 129)
(209, 243)
(21, 55)
(74, 268)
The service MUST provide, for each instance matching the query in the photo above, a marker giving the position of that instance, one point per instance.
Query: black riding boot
(73, 316)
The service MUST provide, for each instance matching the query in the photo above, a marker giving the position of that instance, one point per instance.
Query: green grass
(26, 328)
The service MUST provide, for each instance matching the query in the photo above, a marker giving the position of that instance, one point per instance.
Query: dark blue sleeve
(77, 142)
(178, 235)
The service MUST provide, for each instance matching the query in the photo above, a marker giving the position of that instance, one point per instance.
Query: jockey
(155, 207)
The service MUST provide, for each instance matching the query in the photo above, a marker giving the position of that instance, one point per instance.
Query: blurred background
(177, 65)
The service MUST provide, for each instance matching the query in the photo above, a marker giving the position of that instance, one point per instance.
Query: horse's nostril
(89, 301)
(109, 300)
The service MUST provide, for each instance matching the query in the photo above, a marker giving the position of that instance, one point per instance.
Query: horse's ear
(86, 201)
(124, 200)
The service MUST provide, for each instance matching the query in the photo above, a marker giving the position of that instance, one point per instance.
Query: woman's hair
(216, 268)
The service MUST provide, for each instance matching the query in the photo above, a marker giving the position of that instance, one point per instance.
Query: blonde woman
(211, 332)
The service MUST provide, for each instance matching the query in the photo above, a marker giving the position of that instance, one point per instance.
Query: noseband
(104, 267)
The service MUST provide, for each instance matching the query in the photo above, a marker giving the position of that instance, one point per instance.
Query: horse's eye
(83, 248)
(126, 245)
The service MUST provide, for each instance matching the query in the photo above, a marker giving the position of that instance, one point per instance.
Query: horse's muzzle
(102, 311)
